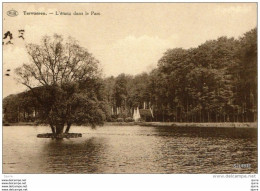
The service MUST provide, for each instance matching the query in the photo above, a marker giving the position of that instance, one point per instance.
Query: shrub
(129, 119)
(120, 120)
(141, 120)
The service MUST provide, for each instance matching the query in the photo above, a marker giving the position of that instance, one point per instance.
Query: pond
(130, 149)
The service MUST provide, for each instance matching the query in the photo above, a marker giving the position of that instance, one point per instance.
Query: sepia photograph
(129, 88)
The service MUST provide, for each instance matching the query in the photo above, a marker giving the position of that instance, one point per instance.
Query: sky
(125, 37)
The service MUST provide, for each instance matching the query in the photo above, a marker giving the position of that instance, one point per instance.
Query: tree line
(214, 82)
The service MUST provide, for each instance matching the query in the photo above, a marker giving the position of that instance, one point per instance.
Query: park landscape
(215, 82)
(195, 112)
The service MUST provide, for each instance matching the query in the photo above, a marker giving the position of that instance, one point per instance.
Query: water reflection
(132, 149)
(208, 132)
(65, 156)
(208, 150)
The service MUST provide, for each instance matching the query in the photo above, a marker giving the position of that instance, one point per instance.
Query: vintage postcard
(129, 88)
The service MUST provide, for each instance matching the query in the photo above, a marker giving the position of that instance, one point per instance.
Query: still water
(130, 149)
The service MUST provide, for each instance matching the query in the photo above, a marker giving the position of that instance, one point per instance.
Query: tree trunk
(59, 129)
(18, 117)
(52, 129)
(187, 111)
(163, 115)
(200, 115)
(68, 128)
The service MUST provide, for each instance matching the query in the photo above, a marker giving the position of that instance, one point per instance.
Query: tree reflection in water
(63, 156)
(131, 149)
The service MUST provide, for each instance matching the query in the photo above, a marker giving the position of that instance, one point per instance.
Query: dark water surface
(130, 149)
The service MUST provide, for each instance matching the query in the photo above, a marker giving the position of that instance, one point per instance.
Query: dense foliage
(64, 84)
(215, 82)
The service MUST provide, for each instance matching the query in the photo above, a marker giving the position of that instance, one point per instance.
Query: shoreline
(204, 125)
(163, 124)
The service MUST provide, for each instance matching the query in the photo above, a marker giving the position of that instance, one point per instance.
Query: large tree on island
(65, 79)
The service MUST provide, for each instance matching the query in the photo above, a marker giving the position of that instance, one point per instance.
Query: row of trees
(215, 82)
(125, 92)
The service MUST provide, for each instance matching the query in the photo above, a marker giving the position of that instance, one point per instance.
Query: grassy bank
(220, 125)
(20, 124)
(121, 123)
(176, 124)
(160, 124)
